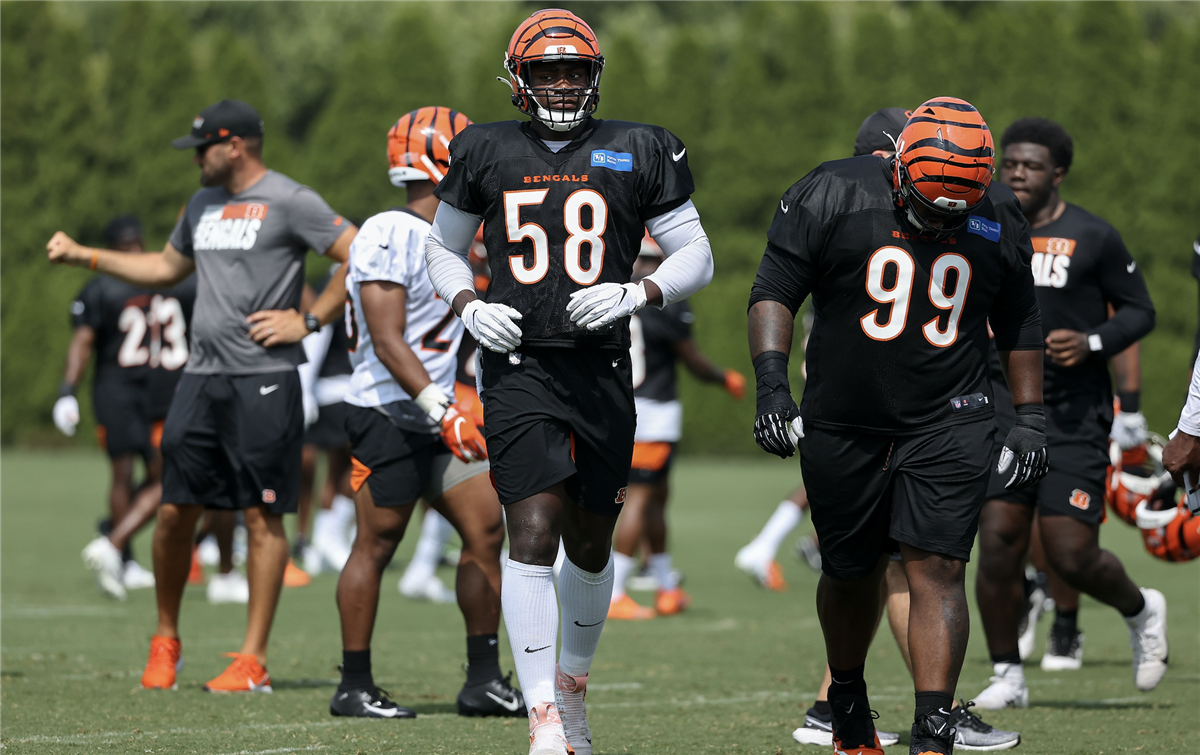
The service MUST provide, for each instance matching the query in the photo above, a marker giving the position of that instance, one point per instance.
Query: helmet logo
(198, 123)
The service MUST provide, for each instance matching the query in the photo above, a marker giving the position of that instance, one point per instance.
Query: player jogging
(140, 339)
(1080, 267)
(232, 438)
(906, 261)
(565, 200)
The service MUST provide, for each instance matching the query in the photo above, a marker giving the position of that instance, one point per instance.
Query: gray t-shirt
(249, 251)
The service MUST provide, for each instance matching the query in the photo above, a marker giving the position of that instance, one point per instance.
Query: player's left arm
(703, 368)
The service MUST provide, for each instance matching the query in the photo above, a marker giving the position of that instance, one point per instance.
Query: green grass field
(732, 675)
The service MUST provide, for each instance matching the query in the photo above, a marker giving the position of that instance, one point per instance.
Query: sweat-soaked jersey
(554, 223)
(899, 343)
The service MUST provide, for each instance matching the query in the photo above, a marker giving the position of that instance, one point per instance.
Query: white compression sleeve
(689, 264)
(1189, 418)
(316, 346)
(446, 251)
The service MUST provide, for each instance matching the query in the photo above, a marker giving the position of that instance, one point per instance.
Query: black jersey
(899, 342)
(1080, 266)
(653, 335)
(337, 357)
(554, 223)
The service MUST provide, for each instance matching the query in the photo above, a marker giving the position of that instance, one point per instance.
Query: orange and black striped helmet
(551, 35)
(1172, 534)
(944, 164)
(419, 144)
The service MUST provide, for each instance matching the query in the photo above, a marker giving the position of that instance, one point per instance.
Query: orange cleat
(196, 575)
(245, 674)
(166, 659)
(626, 608)
(668, 602)
(294, 576)
(773, 580)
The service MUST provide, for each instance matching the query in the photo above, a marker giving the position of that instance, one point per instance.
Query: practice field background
(732, 675)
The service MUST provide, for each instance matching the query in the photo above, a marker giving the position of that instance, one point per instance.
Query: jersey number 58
(572, 221)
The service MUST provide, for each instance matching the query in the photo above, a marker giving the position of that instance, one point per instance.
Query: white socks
(787, 515)
(660, 567)
(531, 618)
(622, 568)
(585, 597)
(435, 532)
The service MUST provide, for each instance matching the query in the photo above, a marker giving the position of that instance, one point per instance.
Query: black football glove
(1026, 445)
(777, 424)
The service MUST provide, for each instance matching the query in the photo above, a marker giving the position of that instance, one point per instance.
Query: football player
(139, 336)
(565, 199)
(1080, 268)
(1181, 456)
(907, 260)
(233, 436)
(658, 337)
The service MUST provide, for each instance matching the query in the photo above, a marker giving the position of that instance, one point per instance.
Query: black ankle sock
(483, 658)
(1141, 606)
(1066, 623)
(933, 702)
(847, 682)
(356, 669)
(822, 708)
(1014, 656)
(127, 553)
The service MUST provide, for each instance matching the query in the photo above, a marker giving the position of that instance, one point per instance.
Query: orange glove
(461, 435)
(735, 383)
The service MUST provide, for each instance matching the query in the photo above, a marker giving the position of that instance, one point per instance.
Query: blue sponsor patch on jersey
(618, 161)
(983, 227)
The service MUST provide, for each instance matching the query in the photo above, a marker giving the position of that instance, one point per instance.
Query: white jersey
(390, 246)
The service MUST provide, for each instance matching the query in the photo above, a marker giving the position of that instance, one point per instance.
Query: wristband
(1130, 401)
(95, 259)
(433, 401)
(1094, 342)
(1031, 415)
(771, 381)
(65, 389)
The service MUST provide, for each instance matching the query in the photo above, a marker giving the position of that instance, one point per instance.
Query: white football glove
(66, 414)
(1129, 430)
(603, 304)
(493, 325)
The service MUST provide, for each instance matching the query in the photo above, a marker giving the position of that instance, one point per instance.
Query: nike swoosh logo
(615, 363)
(676, 157)
(851, 708)
(381, 712)
(783, 207)
(598, 623)
(1129, 268)
(535, 650)
(265, 389)
(510, 705)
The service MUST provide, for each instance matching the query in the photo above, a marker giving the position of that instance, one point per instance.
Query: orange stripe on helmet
(553, 28)
(946, 154)
(419, 144)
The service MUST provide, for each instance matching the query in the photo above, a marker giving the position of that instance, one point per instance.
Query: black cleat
(495, 697)
(853, 724)
(367, 702)
(932, 734)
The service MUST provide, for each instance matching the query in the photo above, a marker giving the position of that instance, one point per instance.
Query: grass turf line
(733, 674)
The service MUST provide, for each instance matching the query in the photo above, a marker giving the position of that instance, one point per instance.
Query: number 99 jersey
(557, 222)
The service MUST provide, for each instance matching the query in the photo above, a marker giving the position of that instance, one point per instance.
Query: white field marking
(310, 748)
(753, 697)
(58, 612)
(616, 686)
(1108, 701)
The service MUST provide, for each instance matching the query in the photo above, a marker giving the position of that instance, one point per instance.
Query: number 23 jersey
(557, 222)
(899, 342)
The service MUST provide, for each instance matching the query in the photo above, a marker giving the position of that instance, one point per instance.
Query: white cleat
(1029, 622)
(332, 549)
(136, 577)
(1063, 653)
(546, 735)
(1007, 689)
(1148, 636)
(103, 558)
(569, 692)
(314, 564)
(431, 589)
(228, 588)
(760, 566)
(208, 552)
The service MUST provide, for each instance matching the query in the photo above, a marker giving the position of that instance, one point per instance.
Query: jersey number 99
(899, 295)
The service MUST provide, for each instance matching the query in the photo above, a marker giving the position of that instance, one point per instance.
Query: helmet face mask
(554, 36)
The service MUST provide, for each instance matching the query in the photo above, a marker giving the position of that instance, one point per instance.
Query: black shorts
(1077, 433)
(651, 462)
(234, 441)
(560, 414)
(329, 431)
(868, 492)
(125, 424)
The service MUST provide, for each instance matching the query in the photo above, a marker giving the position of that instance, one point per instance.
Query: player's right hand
(61, 248)
(461, 435)
(1025, 445)
(494, 325)
(66, 414)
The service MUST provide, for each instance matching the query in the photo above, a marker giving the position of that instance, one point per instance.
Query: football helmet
(419, 144)
(551, 35)
(944, 164)
(1171, 533)
(1134, 476)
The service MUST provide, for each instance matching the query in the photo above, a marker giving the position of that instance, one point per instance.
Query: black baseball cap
(216, 123)
(122, 230)
(880, 130)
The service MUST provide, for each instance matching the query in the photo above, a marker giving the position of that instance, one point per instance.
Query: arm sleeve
(788, 271)
(689, 264)
(1189, 418)
(1122, 284)
(1015, 318)
(446, 251)
(665, 181)
(313, 221)
(316, 346)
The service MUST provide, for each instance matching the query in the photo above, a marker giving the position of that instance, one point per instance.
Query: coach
(233, 435)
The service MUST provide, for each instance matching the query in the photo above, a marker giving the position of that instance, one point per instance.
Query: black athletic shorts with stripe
(869, 492)
(560, 414)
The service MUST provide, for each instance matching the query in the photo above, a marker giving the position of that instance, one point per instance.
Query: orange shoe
(166, 658)
(668, 602)
(196, 575)
(626, 608)
(774, 578)
(245, 674)
(294, 576)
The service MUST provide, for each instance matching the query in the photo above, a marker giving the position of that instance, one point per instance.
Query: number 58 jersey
(557, 222)
(899, 343)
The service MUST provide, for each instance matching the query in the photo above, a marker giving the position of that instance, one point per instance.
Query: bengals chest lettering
(564, 178)
(1051, 263)
(229, 226)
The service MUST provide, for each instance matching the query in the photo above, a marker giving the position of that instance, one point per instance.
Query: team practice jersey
(653, 335)
(899, 342)
(391, 247)
(1080, 266)
(557, 222)
(249, 251)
